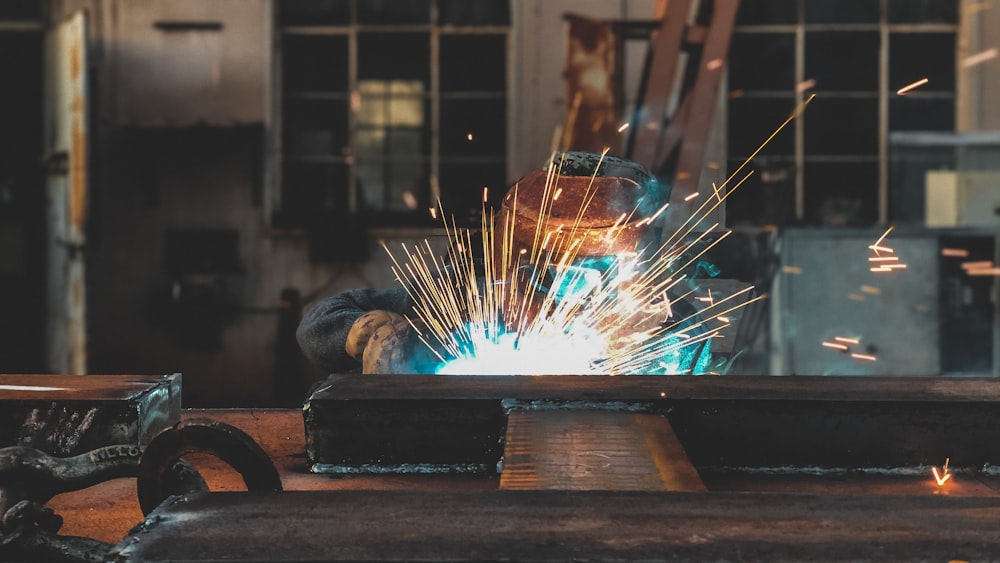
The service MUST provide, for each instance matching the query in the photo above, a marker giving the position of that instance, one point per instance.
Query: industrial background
(180, 179)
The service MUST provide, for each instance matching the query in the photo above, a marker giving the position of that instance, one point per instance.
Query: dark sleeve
(322, 333)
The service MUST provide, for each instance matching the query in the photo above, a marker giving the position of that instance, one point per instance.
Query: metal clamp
(228, 443)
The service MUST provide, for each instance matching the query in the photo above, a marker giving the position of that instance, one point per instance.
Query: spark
(791, 269)
(805, 85)
(847, 339)
(866, 357)
(713, 165)
(910, 87)
(623, 127)
(30, 388)
(871, 289)
(944, 476)
(477, 316)
(714, 64)
(663, 394)
(468, 137)
(856, 296)
(880, 269)
(835, 346)
(955, 252)
(485, 194)
(984, 272)
(434, 213)
(881, 238)
(691, 196)
(977, 265)
(980, 57)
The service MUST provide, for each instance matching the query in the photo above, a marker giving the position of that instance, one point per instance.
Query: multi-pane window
(388, 106)
(831, 166)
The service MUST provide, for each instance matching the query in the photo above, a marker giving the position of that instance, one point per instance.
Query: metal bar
(563, 525)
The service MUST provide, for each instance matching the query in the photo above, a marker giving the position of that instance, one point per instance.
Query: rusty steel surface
(70, 414)
(564, 525)
(594, 450)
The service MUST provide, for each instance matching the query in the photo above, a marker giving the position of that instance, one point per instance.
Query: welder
(368, 329)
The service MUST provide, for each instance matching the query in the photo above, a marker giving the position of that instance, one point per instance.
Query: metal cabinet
(189, 62)
(836, 317)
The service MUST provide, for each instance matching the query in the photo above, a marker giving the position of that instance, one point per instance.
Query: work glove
(381, 340)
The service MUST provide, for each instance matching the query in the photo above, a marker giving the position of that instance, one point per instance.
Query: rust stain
(77, 177)
(74, 61)
(592, 80)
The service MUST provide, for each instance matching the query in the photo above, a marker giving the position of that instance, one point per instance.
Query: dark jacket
(322, 333)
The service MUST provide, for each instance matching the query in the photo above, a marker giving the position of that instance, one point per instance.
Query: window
(831, 166)
(388, 106)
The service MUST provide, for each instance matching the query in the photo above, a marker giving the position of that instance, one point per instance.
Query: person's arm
(322, 333)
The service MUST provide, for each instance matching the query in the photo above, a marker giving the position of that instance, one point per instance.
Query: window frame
(433, 97)
(886, 93)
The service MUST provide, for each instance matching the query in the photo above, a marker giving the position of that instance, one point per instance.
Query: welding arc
(228, 443)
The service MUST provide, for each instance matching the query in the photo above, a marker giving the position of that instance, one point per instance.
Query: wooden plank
(594, 450)
(564, 525)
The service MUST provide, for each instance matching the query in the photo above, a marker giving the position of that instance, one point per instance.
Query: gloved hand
(381, 340)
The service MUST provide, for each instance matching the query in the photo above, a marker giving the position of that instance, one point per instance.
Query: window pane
(394, 186)
(314, 12)
(841, 194)
(843, 60)
(315, 127)
(842, 11)
(841, 126)
(396, 102)
(767, 197)
(314, 63)
(751, 121)
(388, 12)
(473, 63)
(755, 12)
(21, 9)
(394, 56)
(309, 189)
(911, 113)
(913, 56)
(372, 184)
(923, 11)
(480, 12)
(473, 127)
(462, 189)
(406, 141)
(762, 61)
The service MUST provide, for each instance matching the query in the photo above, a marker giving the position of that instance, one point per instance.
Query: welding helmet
(605, 201)
(586, 210)
(601, 208)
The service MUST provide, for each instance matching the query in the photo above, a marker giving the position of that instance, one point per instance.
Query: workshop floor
(109, 510)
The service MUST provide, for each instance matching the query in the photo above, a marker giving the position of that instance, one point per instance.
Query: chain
(25, 516)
